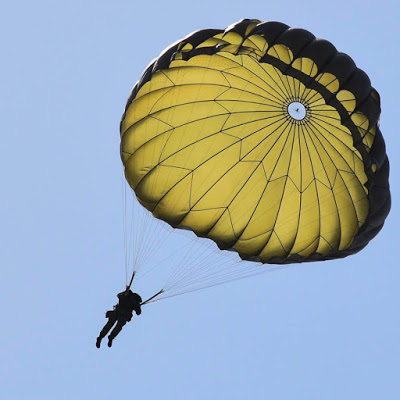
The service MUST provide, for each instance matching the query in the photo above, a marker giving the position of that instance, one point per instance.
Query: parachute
(263, 139)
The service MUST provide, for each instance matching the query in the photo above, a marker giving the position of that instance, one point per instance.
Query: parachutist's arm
(138, 310)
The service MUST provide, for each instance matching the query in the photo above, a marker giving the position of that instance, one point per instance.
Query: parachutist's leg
(115, 331)
(112, 319)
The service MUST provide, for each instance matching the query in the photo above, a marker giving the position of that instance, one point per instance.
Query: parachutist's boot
(109, 342)
(98, 341)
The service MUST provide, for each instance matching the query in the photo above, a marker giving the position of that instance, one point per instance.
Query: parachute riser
(130, 282)
(152, 297)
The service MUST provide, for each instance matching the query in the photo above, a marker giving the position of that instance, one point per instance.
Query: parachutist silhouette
(121, 314)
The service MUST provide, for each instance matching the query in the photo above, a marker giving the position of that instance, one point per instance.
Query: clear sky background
(316, 331)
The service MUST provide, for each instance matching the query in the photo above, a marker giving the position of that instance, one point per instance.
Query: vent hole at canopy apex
(297, 110)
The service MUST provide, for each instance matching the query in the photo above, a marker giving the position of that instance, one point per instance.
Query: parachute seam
(300, 191)
(232, 144)
(283, 189)
(234, 166)
(263, 191)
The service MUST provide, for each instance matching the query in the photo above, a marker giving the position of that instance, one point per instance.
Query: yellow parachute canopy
(261, 138)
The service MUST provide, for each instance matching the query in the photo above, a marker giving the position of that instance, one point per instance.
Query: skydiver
(121, 314)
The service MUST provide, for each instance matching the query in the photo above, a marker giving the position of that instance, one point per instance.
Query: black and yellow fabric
(261, 138)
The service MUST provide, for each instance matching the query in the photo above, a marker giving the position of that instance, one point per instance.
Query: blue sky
(314, 331)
